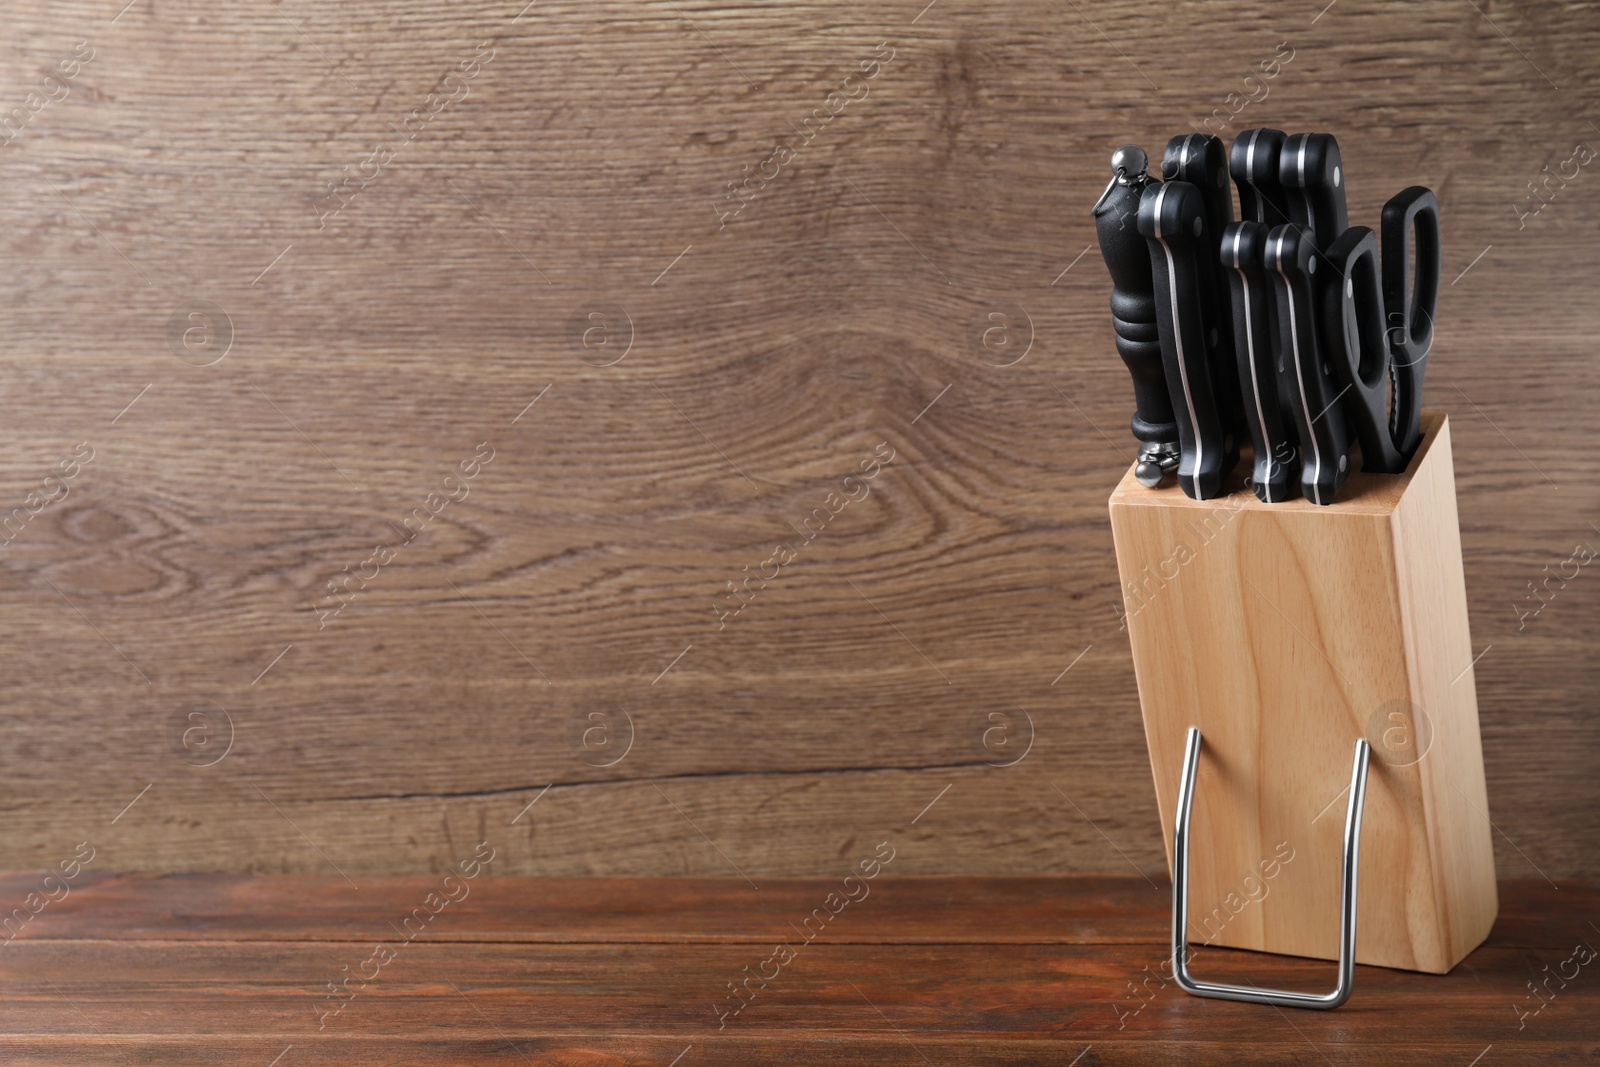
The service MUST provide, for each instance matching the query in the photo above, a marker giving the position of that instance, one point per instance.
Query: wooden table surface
(188, 969)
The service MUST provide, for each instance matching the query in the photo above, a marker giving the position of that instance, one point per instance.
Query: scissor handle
(1410, 225)
(1352, 321)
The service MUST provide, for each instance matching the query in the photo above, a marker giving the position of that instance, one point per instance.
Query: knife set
(1280, 631)
(1281, 330)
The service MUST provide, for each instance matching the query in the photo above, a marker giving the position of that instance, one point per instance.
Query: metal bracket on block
(1347, 896)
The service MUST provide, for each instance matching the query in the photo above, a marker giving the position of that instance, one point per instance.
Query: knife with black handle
(1202, 160)
(1133, 313)
(1292, 261)
(1253, 164)
(1172, 218)
(1273, 476)
(1312, 177)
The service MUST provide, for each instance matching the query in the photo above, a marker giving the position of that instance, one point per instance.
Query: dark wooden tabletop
(215, 969)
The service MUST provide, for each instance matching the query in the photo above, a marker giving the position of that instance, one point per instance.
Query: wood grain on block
(1285, 632)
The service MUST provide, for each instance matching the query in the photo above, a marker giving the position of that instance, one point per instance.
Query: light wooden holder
(1285, 632)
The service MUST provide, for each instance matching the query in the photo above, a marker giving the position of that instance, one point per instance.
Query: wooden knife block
(1285, 632)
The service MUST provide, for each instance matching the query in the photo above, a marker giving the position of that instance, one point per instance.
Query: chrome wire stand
(1347, 896)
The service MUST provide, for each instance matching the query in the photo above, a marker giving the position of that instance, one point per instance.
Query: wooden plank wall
(399, 225)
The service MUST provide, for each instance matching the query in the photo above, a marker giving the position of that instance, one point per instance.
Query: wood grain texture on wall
(429, 234)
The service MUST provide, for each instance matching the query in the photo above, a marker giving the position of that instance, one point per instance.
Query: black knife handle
(1324, 440)
(1253, 164)
(1172, 219)
(1412, 213)
(1313, 180)
(1202, 160)
(1133, 311)
(1353, 333)
(1274, 476)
